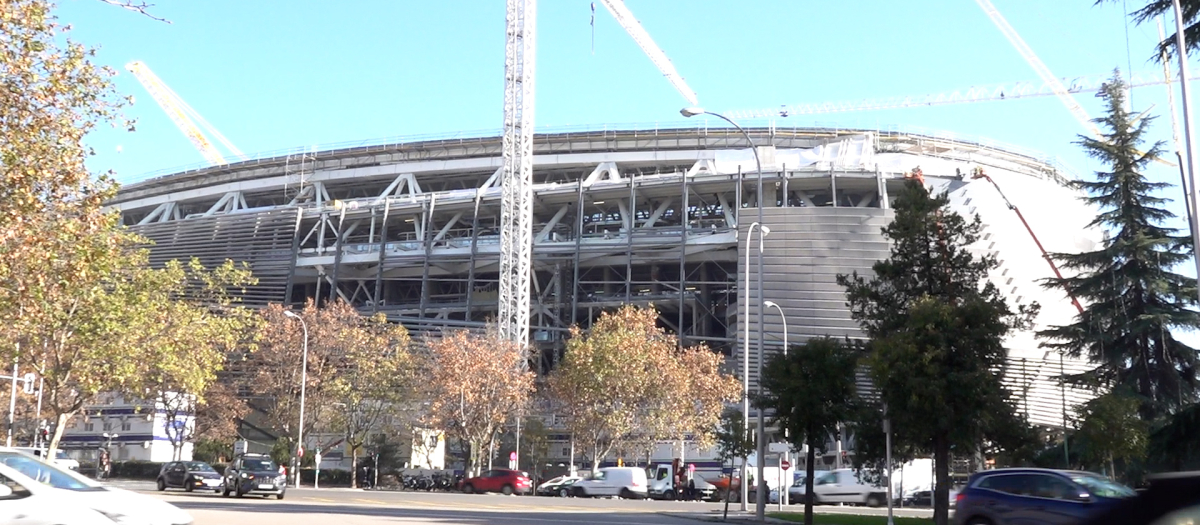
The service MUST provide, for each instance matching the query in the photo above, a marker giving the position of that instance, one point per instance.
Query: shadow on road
(433, 515)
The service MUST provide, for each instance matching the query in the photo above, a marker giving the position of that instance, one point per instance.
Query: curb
(716, 517)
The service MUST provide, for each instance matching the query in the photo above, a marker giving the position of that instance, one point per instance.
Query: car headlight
(244, 475)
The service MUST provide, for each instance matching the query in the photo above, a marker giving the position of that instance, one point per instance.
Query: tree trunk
(810, 470)
(60, 426)
(353, 466)
(941, 470)
(595, 459)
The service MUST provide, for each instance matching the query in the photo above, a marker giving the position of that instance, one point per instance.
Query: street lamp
(783, 494)
(303, 380)
(761, 506)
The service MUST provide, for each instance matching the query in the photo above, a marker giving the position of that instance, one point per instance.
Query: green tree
(1112, 431)
(936, 327)
(1133, 298)
(811, 390)
(733, 441)
(1153, 9)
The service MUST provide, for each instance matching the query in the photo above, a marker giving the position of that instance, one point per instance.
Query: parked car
(189, 476)
(1027, 495)
(60, 457)
(500, 480)
(253, 474)
(796, 491)
(121, 506)
(845, 486)
(560, 486)
(623, 482)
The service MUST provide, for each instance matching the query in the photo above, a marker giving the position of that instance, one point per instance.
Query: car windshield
(1103, 487)
(59, 454)
(199, 466)
(258, 464)
(47, 473)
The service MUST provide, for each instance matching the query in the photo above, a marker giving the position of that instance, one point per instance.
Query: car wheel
(562, 493)
(875, 500)
(669, 495)
(188, 487)
(979, 521)
(468, 489)
(579, 492)
(224, 491)
(162, 485)
(238, 492)
(626, 494)
(507, 490)
(279, 496)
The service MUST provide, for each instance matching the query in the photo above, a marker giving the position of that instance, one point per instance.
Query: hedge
(329, 477)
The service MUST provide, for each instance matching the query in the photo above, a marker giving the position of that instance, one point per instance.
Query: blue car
(1028, 496)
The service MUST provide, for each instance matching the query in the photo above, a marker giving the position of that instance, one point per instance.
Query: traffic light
(28, 380)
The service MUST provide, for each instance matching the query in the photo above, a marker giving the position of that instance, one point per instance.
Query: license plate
(212, 482)
(266, 486)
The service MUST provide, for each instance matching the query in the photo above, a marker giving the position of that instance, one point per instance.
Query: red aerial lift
(978, 173)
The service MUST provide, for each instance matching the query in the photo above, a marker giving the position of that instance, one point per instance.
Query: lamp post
(303, 380)
(783, 493)
(761, 506)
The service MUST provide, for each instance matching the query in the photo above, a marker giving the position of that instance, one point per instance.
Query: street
(354, 507)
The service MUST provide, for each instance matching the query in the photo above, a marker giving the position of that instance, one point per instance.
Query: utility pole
(1189, 145)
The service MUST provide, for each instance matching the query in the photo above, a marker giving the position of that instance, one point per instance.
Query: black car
(189, 476)
(254, 474)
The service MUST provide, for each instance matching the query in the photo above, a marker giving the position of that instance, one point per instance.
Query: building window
(89, 427)
(107, 426)
(126, 425)
(566, 451)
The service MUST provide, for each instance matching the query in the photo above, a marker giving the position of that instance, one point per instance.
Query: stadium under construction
(627, 216)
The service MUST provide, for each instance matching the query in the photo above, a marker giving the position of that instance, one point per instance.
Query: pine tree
(1134, 299)
(936, 327)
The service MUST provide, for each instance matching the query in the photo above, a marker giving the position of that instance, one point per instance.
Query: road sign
(785, 464)
(777, 447)
(512, 456)
(691, 468)
(28, 380)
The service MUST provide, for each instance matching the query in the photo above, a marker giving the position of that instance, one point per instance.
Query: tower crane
(185, 118)
(989, 93)
(516, 202)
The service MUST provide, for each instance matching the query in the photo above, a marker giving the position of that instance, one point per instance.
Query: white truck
(662, 484)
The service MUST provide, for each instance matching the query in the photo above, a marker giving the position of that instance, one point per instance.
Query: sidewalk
(717, 516)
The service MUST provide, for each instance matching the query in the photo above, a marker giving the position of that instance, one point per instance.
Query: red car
(499, 480)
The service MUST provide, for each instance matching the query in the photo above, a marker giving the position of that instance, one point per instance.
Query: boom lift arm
(638, 33)
(978, 173)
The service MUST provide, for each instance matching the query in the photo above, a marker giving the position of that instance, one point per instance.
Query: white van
(844, 486)
(624, 482)
(60, 457)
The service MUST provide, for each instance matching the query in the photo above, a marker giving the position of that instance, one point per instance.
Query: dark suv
(189, 475)
(254, 474)
(1027, 495)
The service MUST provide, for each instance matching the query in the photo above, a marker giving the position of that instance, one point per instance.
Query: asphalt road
(306, 506)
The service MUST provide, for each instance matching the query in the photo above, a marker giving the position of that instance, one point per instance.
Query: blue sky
(275, 74)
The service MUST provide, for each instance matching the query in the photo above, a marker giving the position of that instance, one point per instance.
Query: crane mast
(516, 213)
